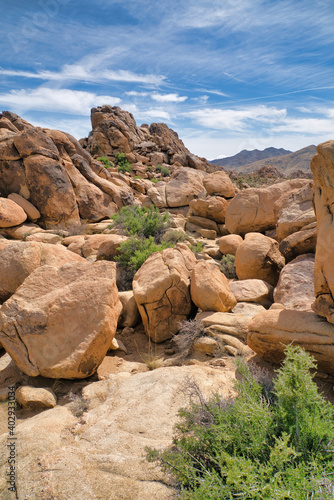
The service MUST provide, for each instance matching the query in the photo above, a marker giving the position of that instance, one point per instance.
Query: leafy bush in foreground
(266, 444)
(163, 170)
(142, 222)
(105, 160)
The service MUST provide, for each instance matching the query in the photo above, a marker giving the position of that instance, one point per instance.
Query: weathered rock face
(51, 170)
(296, 212)
(35, 397)
(19, 260)
(258, 257)
(253, 290)
(271, 331)
(322, 167)
(210, 289)
(11, 214)
(213, 207)
(256, 209)
(115, 130)
(31, 211)
(61, 322)
(295, 289)
(161, 289)
(219, 184)
(184, 185)
(299, 243)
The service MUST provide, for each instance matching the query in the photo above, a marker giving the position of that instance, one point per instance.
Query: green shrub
(163, 170)
(265, 444)
(142, 222)
(135, 251)
(174, 236)
(227, 266)
(105, 161)
(122, 163)
(154, 180)
(198, 248)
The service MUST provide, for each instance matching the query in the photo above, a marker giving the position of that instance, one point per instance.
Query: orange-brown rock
(299, 243)
(61, 321)
(32, 213)
(219, 184)
(271, 331)
(19, 260)
(210, 289)
(213, 207)
(256, 209)
(161, 289)
(11, 214)
(322, 167)
(296, 211)
(258, 257)
(295, 287)
(229, 243)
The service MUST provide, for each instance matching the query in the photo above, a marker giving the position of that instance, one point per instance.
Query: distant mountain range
(245, 157)
(285, 161)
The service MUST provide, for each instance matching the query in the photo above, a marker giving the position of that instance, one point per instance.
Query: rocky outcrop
(210, 289)
(300, 242)
(61, 322)
(322, 167)
(271, 331)
(161, 289)
(257, 209)
(295, 287)
(219, 184)
(52, 171)
(258, 257)
(115, 131)
(184, 185)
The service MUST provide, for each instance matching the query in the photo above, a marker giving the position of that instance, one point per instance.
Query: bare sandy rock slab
(61, 322)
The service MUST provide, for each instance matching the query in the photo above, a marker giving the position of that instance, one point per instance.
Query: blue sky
(226, 75)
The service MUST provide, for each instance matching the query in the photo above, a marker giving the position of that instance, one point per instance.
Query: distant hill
(286, 164)
(245, 157)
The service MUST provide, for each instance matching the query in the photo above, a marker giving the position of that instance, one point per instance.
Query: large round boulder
(11, 214)
(258, 257)
(161, 289)
(61, 321)
(210, 289)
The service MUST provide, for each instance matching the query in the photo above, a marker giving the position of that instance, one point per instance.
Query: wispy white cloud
(237, 119)
(168, 97)
(311, 126)
(55, 100)
(80, 73)
(134, 93)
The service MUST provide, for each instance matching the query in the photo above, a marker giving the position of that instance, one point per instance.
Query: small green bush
(142, 222)
(105, 161)
(163, 170)
(174, 236)
(266, 444)
(122, 163)
(135, 251)
(198, 248)
(154, 180)
(227, 266)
